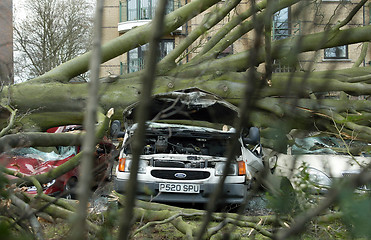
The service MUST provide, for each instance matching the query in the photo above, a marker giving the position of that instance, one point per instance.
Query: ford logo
(180, 175)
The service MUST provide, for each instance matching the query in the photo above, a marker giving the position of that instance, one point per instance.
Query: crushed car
(32, 161)
(182, 162)
(318, 161)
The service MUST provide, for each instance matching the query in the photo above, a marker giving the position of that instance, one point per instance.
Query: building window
(228, 51)
(281, 24)
(166, 46)
(281, 29)
(136, 56)
(145, 9)
(340, 52)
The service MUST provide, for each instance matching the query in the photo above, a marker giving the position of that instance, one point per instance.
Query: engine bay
(184, 145)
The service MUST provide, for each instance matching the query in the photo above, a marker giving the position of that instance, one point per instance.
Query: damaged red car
(33, 161)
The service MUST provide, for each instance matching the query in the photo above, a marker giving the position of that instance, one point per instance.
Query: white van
(184, 163)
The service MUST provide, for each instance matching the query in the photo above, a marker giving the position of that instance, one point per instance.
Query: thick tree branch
(26, 209)
(281, 48)
(32, 139)
(131, 39)
(208, 22)
(235, 21)
(238, 32)
(350, 16)
(362, 56)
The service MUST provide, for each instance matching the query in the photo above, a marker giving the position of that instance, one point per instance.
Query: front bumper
(233, 193)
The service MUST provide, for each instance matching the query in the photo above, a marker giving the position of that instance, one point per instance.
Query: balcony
(133, 65)
(282, 30)
(285, 29)
(135, 13)
(135, 57)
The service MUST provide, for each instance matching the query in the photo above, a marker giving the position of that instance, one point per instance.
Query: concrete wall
(6, 41)
(110, 22)
(110, 31)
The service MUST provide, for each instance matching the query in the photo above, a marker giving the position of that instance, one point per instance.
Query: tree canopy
(59, 101)
(50, 33)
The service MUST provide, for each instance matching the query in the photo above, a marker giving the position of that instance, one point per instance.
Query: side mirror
(115, 129)
(254, 136)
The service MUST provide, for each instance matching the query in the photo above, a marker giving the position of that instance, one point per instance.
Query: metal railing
(281, 30)
(133, 65)
(132, 10)
(277, 66)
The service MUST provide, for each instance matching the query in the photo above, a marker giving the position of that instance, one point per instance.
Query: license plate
(179, 187)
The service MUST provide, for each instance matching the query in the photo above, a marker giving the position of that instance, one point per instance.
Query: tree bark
(38, 139)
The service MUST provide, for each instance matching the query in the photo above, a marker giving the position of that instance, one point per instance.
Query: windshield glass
(329, 145)
(58, 153)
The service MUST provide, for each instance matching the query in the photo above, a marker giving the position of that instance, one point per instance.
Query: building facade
(325, 14)
(122, 15)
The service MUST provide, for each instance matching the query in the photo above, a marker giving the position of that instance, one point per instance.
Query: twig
(345, 144)
(13, 113)
(180, 214)
(142, 116)
(299, 223)
(31, 216)
(241, 223)
(83, 188)
(350, 15)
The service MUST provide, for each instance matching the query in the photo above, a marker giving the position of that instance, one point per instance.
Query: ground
(104, 204)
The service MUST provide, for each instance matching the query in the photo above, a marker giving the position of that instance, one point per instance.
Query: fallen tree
(62, 108)
(225, 77)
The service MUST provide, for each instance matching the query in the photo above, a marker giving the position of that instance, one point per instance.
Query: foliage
(357, 210)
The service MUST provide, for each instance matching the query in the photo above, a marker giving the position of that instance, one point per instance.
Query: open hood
(189, 104)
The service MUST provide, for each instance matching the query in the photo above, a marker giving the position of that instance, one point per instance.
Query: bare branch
(13, 113)
(26, 209)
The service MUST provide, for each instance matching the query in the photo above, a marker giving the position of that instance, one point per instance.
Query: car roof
(62, 129)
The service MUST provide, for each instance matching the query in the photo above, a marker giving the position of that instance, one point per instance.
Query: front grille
(349, 174)
(178, 164)
(172, 164)
(187, 175)
(366, 187)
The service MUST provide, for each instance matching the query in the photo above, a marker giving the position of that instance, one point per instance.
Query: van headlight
(319, 178)
(125, 165)
(220, 166)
